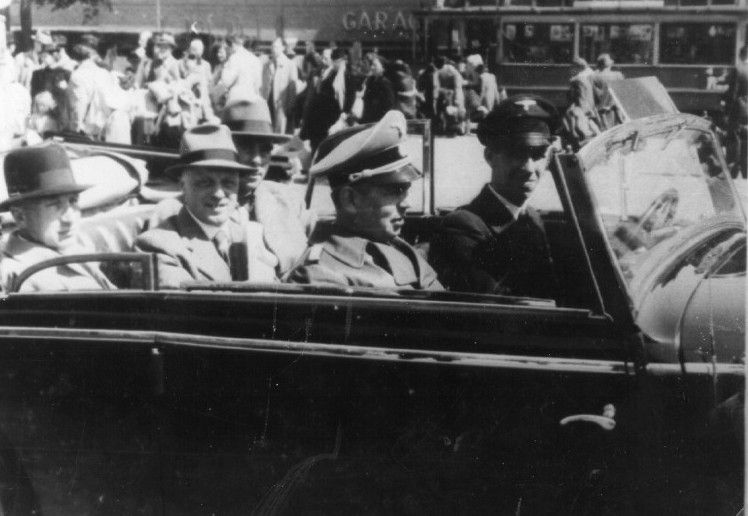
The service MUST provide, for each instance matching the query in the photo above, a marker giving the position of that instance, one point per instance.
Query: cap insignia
(526, 103)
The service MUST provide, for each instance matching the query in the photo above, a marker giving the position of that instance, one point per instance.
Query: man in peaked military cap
(497, 243)
(370, 181)
(43, 197)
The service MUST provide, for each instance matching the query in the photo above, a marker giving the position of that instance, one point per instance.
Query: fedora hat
(251, 121)
(366, 154)
(36, 172)
(208, 146)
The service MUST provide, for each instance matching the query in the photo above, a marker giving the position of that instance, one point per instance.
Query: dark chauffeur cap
(366, 154)
(526, 120)
(36, 172)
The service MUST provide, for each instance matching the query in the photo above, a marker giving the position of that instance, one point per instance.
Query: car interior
(122, 206)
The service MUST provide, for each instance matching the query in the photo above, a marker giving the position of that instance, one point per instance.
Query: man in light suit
(43, 198)
(489, 90)
(278, 207)
(207, 240)
(241, 77)
(280, 82)
(90, 86)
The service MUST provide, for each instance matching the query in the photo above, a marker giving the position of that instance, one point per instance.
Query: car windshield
(653, 182)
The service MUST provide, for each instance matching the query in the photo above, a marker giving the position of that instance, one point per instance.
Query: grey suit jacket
(287, 223)
(20, 254)
(186, 254)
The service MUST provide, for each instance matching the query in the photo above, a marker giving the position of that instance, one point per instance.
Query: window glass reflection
(697, 43)
(626, 43)
(537, 42)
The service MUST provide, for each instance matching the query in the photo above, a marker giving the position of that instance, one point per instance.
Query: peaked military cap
(366, 154)
(527, 120)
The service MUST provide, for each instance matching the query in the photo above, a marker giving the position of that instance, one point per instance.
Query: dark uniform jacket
(340, 258)
(479, 249)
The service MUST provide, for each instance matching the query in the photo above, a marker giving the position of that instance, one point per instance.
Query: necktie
(222, 243)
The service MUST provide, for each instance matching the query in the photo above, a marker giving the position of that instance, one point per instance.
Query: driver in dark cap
(370, 179)
(497, 244)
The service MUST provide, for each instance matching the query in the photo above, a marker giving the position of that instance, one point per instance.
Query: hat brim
(214, 164)
(38, 194)
(241, 136)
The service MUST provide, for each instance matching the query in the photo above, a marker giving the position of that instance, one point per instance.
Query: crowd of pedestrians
(163, 88)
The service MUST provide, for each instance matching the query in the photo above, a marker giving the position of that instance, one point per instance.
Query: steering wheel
(645, 232)
(660, 214)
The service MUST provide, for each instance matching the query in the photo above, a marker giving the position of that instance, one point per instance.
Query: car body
(620, 396)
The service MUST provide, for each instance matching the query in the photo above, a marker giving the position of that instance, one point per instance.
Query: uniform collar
(514, 210)
(347, 247)
(492, 209)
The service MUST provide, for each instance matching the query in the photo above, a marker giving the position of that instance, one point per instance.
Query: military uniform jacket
(343, 259)
(479, 249)
(185, 253)
(19, 254)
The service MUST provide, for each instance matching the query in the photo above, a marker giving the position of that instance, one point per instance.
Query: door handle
(606, 421)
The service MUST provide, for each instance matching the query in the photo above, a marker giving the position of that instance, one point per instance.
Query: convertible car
(622, 396)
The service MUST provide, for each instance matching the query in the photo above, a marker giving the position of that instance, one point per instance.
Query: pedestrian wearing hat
(97, 103)
(163, 66)
(29, 60)
(208, 239)
(497, 243)
(241, 77)
(370, 179)
(43, 198)
(604, 102)
(279, 86)
(333, 101)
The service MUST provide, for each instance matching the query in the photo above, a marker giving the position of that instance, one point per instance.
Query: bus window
(697, 43)
(626, 43)
(538, 42)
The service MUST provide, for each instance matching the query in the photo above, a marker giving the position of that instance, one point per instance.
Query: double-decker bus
(690, 45)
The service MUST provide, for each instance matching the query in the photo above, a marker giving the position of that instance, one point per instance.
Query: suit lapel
(205, 257)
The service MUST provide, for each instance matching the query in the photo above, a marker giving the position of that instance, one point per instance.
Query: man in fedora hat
(43, 198)
(276, 206)
(497, 243)
(163, 66)
(370, 179)
(207, 239)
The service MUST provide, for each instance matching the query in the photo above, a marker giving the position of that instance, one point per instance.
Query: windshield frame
(597, 151)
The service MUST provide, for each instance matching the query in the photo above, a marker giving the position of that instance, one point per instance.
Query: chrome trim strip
(695, 368)
(496, 361)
